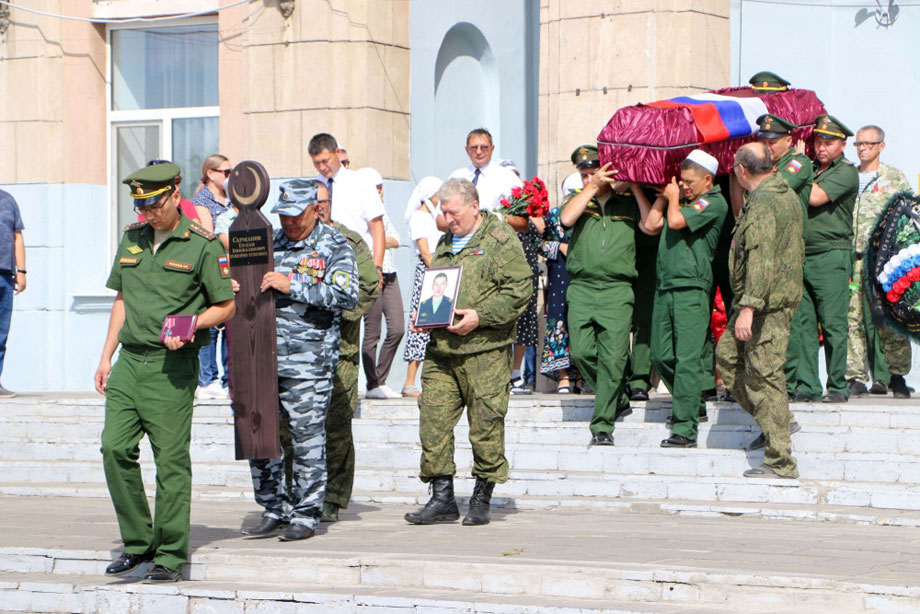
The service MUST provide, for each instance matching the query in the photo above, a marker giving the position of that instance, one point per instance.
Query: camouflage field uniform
(766, 271)
(474, 370)
(323, 284)
(862, 347)
(340, 446)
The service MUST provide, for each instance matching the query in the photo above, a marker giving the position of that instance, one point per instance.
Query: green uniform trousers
(793, 353)
(753, 371)
(479, 382)
(681, 323)
(151, 392)
(599, 320)
(825, 302)
(721, 281)
(340, 444)
(639, 366)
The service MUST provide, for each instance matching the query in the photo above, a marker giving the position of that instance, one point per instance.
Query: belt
(389, 276)
(145, 352)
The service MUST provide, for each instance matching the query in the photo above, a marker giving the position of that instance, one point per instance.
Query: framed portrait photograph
(439, 296)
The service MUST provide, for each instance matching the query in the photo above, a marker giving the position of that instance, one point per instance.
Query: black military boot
(899, 387)
(479, 503)
(442, 507)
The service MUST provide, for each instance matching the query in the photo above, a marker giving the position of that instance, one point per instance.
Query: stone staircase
(860, 464)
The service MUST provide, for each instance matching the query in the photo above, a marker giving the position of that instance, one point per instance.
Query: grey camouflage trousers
(303, 404)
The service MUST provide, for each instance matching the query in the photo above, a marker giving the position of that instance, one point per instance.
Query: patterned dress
(556, 356)
(527, 323)
(416, 342)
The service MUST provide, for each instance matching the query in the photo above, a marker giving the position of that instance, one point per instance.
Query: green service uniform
(639, 367)
(340, 445)
(766, 258)
(682, 305)
(151, 389)
(474, 370)
(799, 174)
(720, 280)
(828, 264)
(602, 264)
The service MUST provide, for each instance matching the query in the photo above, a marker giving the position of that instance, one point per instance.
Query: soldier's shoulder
(201, 231)
(135, 227)
(500, 232)
(338, 235)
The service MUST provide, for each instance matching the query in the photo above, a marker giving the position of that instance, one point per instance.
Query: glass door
(135, 146)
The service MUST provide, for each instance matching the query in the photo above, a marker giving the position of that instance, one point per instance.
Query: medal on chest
(310, 268)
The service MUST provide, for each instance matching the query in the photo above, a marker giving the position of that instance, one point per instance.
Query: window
(163, 103)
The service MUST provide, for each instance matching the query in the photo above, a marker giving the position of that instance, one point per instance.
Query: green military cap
(830, 127)
(151, 182)
(773, 127)
(766, 81)
(586, 157)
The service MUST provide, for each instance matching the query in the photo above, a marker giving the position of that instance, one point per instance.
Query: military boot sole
(475, 522)
(413, 519)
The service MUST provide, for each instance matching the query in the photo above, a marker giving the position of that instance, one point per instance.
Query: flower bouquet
(531, 200)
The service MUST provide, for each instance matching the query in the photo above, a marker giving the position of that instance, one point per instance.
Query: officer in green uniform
(602, 264)
(766, 82)
(690, 228)
(340, 444)
(639, 367)
(469, 362)
(828, 265)
(166, 265)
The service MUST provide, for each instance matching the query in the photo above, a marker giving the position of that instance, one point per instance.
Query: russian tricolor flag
(719, 117)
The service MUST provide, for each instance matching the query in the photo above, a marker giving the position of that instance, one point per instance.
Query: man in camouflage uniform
(469, 362)
(766, 259)
(315, 280)
(876, 349)
(340, 445)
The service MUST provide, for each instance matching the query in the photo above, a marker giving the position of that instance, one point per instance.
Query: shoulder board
(201, 230)
(342, 234)
(135, 225)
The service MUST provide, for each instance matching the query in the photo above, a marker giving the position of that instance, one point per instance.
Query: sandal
(411, 391)
(563, 390)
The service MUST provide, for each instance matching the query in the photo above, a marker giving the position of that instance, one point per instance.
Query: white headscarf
(425, 189)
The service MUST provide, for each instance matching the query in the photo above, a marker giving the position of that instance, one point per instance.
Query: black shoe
(678, 441)
(637, 394)
(857, 388)
(159, 574)
(704, 417)
(330, 513)
(878, 387)
(622, 412)
(710, 395)
(801, 397)
(761, 441)
(601, 439)
(296, 531)
(794, 427)
(899, 387)
(727, 397)
(442, 507)
(480, 502)
(834, 397)
(127, 562)
(266, 527)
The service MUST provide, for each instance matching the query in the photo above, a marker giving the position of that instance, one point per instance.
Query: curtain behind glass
(159, 68)
(193, 140)
(135, 146)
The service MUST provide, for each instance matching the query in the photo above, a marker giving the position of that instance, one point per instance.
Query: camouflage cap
(830, 127)
(296, 195)
(586, 157)
(773, 126)
(150, 183)
(766, 81)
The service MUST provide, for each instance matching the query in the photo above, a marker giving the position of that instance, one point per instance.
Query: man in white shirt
(355, 202)
(492, 181)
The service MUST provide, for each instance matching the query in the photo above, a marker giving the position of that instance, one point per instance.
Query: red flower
(516, 192)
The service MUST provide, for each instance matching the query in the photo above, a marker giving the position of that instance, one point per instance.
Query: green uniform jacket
(767, 248)
(830, 226)
(189, 273)
(496, 282)
(798, 172)
(603, 244)
(685, 255)
(368, 288)
(872, 200)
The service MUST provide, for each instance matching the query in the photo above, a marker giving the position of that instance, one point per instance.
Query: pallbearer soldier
(766, 271)
(469, 363)
(690, 216)
(165, 265)
(828, 265)
(315, 279)
(883, 351)
(340, 445)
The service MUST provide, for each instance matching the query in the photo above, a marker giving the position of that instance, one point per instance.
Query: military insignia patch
(341, 279)
(134, 249)
(700, 204)
(224, 264)
(128, 261)
(178, 266)
(478, 252)
(793, 167)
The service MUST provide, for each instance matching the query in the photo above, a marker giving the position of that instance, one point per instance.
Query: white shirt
(389, 230)
(355, 202)
(495, 183)
(422, 225)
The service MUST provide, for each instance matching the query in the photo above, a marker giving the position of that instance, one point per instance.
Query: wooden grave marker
(252, 330)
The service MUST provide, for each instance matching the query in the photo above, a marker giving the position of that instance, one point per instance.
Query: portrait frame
(428, 315)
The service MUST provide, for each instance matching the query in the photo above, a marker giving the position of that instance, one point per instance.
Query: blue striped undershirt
(458, 243)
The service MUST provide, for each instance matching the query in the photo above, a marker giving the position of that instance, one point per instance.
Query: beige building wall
(52, 97)
(597, 56)
(339, 66)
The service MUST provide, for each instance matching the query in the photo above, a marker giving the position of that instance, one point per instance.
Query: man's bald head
(752, 164)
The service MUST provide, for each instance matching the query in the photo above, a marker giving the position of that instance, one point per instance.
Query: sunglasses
(226, 171)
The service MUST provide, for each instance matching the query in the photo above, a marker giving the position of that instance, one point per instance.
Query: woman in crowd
(556, 362)
(421, 215)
